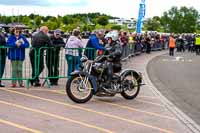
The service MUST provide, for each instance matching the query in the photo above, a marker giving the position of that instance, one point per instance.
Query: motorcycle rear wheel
(131, 93)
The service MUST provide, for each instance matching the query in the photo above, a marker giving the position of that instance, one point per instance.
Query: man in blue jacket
(53, 56)
(94, 42)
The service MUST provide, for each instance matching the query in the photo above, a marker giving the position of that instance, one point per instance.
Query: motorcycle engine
(98, 68)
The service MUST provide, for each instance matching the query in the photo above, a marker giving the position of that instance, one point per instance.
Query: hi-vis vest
(172, 42)
(197, 41)
(131, 39)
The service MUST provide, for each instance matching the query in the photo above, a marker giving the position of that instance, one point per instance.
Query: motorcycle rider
(114, 52)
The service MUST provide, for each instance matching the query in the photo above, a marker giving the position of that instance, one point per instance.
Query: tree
(152, 24)
(51, 25)
(38, 21)
(183, 20)
(31, 16)
(116, 27)
(67, 20)
(1, 18)
(8, 19)
(198, 28)
(25, 20)
(47, 18)
(102, 20)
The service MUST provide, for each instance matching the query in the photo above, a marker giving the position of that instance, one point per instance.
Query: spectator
(131, 43)
(53, 57)
(39, 40)
(124, 41)
(72, 52)
(197, 44)
(149, 42)
(94, 42)
(3, 53)
(180, 44)
(172, 44)
(16, 54)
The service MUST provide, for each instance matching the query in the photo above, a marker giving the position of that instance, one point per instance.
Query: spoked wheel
(133, 87)
(79, 89)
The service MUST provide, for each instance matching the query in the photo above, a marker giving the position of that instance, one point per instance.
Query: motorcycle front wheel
(79, 89)
(133, 89)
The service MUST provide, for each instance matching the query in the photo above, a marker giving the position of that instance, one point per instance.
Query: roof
(10, 25)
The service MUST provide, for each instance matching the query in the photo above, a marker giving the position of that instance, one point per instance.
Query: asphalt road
(178, 79)
(49, 110)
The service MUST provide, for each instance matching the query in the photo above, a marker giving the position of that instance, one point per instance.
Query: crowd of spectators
(131, 44)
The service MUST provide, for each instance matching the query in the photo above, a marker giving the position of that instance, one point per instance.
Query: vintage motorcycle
(91, 80)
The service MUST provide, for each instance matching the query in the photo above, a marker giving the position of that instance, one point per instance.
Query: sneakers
(1, 85)
(37, 84)
(54, 83)
(21, 85)
(76, 71)
(13, 85)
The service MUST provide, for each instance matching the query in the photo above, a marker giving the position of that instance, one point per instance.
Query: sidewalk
(184, 122)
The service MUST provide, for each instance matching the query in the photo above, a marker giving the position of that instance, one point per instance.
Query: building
(122, 21)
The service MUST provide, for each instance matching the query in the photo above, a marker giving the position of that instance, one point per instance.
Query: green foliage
(152, 24)
(51, 25)
(98, 26)
(25, 20)
(1, 18)
(32, 16)
(102, 20)
(8, 19)
(177, 20)
(65, 20)
(198, 26)
(183, 20)
(38, 20)
(116, 27)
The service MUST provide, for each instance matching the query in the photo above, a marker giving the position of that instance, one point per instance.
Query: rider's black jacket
(114, 51)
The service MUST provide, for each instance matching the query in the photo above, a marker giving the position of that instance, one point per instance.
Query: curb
(186, 120)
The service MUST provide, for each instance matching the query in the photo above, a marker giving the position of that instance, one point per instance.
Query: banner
(141, 15)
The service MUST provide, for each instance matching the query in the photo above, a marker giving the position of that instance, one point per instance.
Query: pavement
(43, 110)
(177, 78)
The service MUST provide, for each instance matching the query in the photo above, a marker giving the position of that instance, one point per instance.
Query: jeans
(73, 63)
(17, 71)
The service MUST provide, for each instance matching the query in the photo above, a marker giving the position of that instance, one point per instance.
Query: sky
(118, 8)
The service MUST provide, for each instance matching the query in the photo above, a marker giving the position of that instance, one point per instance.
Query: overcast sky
(118, 8)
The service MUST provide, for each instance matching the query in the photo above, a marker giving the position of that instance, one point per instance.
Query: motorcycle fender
(127, 71)
(92, 79)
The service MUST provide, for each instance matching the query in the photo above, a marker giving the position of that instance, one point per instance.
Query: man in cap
(52, 58)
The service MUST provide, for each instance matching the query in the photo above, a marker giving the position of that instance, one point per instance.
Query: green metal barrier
(47, 63)
(60, 62)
